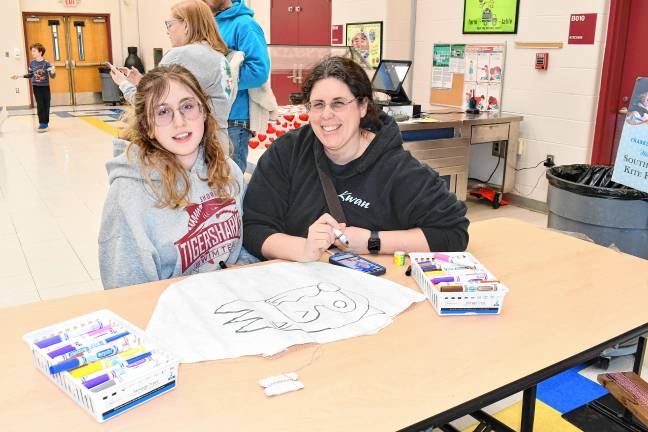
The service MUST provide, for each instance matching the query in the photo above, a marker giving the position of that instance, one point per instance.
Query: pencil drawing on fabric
(308, 309)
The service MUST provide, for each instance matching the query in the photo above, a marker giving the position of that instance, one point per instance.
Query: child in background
(40, 72)
(174, 205)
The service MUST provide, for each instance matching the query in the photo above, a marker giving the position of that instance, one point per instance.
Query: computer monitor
(389, 79)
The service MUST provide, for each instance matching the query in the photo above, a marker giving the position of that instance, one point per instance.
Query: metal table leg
(528, 409)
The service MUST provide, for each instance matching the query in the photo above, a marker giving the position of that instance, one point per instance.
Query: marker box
(458, 298)
(132, 389)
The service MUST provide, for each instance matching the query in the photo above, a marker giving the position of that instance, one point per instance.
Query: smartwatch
(374, 243)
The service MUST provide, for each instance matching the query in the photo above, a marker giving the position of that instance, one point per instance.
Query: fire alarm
(542, 61)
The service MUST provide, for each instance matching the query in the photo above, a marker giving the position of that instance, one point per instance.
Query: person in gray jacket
(198, 46)
(174, 202)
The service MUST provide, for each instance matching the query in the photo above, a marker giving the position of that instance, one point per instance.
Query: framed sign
(365, 41)
(490, 16)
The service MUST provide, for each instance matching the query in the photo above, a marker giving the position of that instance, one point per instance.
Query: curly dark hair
(352, 74)
(39, 47)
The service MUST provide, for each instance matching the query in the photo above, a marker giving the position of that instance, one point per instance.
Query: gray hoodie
(139, 242)
(211, 69)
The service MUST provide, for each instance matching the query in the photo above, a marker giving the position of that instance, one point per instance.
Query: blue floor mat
(569, 390)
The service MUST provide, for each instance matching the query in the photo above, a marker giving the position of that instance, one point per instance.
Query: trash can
(109, 90)
(583, 198)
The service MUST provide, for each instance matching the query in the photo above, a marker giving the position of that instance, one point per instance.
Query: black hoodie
(385, 189)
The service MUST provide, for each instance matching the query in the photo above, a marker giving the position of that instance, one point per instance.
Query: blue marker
(122, 359)
(69, 335)
(92, 345)
(102, 352)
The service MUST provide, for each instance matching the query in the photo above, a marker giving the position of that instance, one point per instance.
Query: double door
(76, 45)
(296, 23)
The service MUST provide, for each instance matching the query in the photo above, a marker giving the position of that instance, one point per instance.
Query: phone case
(376, 269)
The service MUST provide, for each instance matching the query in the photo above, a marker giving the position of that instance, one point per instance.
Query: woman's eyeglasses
(336, 105)
(169, 23)
(189, 110)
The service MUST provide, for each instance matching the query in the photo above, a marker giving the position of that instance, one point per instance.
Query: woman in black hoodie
(390, 200)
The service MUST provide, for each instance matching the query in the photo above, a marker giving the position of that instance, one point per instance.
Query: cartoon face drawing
(309, 309)
(361, 42)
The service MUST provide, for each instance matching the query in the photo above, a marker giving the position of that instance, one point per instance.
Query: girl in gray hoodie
(174, 203)
(198, 46)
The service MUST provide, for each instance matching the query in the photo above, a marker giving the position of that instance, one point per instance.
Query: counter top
(458, 120)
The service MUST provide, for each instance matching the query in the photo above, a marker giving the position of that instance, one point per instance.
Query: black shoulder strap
(332, 200)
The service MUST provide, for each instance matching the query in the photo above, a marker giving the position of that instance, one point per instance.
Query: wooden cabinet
(300, 22)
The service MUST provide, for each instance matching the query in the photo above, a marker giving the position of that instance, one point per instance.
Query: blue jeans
(240, 137)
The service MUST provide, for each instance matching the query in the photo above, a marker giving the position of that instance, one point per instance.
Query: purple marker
(461, 278)
(69, 334)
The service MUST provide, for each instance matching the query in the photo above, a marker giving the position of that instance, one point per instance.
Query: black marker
(408, 272)
(222, 264)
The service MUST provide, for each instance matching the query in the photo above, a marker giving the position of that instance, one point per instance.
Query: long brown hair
(175, 184)
(201, 25)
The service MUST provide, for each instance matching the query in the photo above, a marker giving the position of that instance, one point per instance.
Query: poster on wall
(457, 61)
(365, 41)
(490, 16)
(483, 67)
(483, 76)
(441, 72)
(471, 66)
(631, 165)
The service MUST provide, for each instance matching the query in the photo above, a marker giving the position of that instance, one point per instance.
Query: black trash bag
(591, 180)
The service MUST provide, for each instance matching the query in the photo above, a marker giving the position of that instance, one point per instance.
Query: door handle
(623, 110)
(300, 76)
(290, 9)
(293, 77)
(297, 9)
(72, 64)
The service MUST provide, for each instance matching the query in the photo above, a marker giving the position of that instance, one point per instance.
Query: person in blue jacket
(242, 33)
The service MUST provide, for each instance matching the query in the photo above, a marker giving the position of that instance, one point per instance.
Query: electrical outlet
(549, 161)
(496, 149)
(17, 89)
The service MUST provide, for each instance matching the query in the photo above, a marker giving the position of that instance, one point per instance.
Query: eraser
(267, 382)
(282, 387)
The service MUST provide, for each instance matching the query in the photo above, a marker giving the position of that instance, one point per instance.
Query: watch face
(374, 243)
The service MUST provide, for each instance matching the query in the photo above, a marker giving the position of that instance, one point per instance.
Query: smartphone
(356, 262)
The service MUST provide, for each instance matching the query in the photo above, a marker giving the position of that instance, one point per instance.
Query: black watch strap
(374, 243)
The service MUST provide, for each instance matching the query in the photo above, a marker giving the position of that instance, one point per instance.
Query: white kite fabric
(265, 309)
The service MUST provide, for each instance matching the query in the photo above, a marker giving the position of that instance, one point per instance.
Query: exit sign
(71, 3)
(582, 28)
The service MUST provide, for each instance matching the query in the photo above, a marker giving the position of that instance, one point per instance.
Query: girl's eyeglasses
(189, 109)
(169, 23)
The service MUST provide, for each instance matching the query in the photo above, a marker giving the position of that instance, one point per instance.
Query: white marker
(340, 236)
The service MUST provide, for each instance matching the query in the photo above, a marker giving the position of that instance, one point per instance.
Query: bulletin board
(461, 71)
